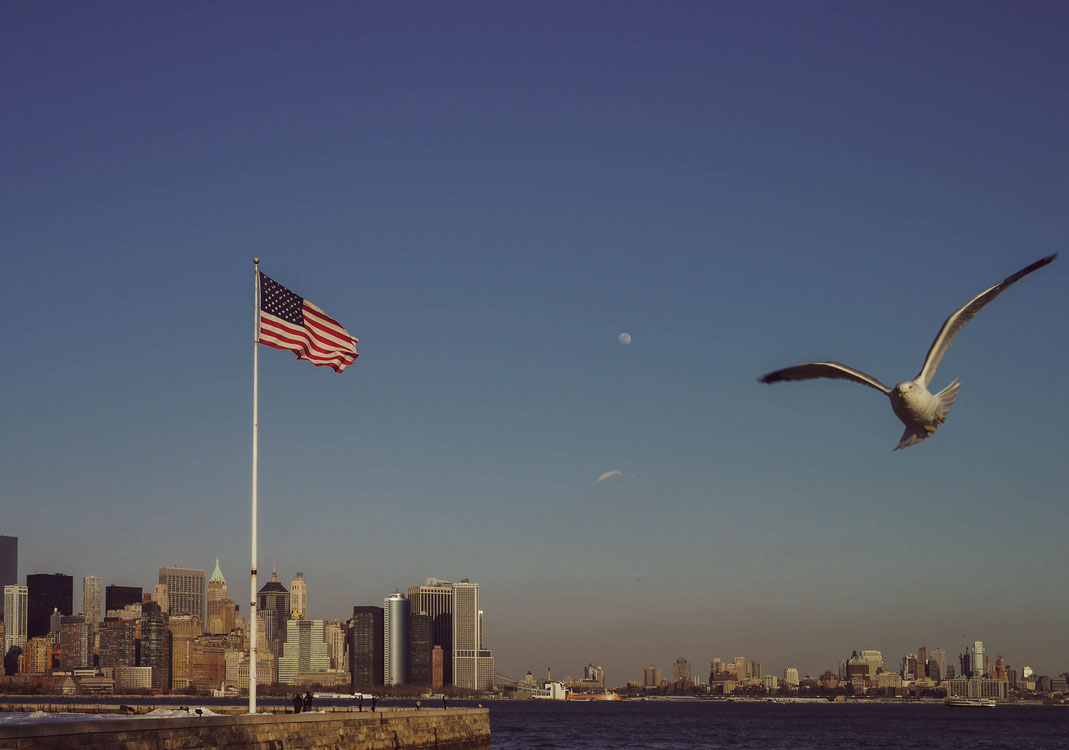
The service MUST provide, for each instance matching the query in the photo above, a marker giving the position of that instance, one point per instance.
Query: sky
(488, 195)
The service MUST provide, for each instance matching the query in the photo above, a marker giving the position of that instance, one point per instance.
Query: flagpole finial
(256, 261)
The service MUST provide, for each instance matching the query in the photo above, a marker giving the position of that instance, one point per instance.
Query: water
(526, 725)
(672, 725)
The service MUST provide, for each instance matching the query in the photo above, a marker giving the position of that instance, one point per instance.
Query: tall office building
(874, 660)
(473, 665)
(184, 629)
(216, 585)
(681, 670)
(185, 591)
(91, 599)
(435, 599)
(47, 592)
(395, 639)
(305, 650)
(16, 610)
(366, 643)
(420, 650)
(74, 647)
(118, 597)
(740, 668)
(940, 661)
(156, 644)
(273, 605)
(922, 664)
(117, 648)
(159, 595)
(651, 677)
(976, 661)
(221, 609)
(790, 676)
(37, 655)
(9, 564)
(299, 597)
(335, 634)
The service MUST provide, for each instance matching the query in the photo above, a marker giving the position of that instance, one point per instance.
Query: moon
(625, 338)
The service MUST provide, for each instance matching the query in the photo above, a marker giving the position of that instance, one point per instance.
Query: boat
(593, 697)
(971, 702)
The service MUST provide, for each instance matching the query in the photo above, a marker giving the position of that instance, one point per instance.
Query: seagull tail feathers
(911, 436)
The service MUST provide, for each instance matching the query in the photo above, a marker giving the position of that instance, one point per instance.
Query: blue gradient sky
(487, 196)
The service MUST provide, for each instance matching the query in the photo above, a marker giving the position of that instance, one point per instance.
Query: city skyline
(621, 671)
(569, 238)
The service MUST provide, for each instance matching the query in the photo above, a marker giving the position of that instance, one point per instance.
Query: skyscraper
(47, 592)
(395, 639)
(216, 585)
(9, 564)
(117, 597)
(305, 650)
(420, 649)
(336, 634)
(366, 643)
(221, 613)
(273, 605)
(91, 599)
(75, 649)
(473, 665)
(156, 644)
(299, 597)
(184, 629)
(435, 599)
(740, 668)
(16, 606)
(940, 659)
(117, 643)
(976, 659)
(681, 670)
(922, 663)
(159, 595)
(185, 591)
(651, 677)
(874, 659)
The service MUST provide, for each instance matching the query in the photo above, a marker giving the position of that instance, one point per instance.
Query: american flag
(288, 321)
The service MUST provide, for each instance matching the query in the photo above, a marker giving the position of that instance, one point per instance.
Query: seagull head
(903, 389)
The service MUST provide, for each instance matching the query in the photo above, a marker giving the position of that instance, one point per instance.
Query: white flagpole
(255, 442)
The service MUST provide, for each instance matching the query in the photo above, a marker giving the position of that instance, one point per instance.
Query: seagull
(912, 402)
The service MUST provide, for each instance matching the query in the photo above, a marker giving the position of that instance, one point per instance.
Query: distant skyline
(702, 663)
(489, 196)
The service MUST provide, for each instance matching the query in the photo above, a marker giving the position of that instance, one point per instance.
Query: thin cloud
(609, 475)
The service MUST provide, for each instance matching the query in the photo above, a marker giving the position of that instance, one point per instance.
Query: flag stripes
(288, 321)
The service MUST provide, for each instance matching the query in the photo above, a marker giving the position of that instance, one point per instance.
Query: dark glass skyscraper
(117, 597)
(366, 646)
(47, 591)
(421, 644)
(156, 645)
(9, 565)
(435, 599)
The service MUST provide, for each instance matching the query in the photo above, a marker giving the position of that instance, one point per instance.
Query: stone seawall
(455, 729)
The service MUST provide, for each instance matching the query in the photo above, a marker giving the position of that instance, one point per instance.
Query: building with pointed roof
(273, 607)
(221, 609)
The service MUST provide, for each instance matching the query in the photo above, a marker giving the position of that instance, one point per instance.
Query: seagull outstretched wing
(832, 370)
(964, 314)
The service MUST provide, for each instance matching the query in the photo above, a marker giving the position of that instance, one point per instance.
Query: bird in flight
(921, 412)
